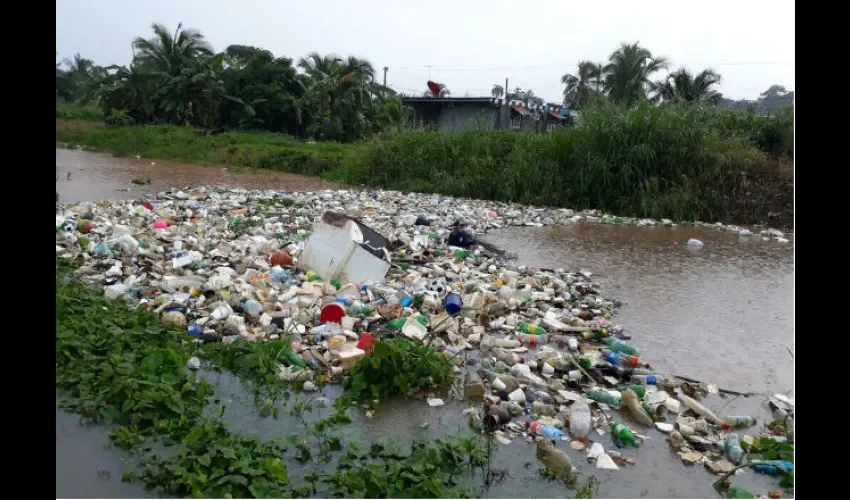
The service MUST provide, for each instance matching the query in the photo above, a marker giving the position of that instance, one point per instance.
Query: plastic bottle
(616, 371)
(631, 401)
(594, 335)
(497, 415)
(640, 390)
(541, 408)
(532, 329)
(504, 356)
(775, 467)
(733, 448)
(531, 339)
(622, 359)
(619, 346)
(646, 379)
(606, 397)
(511, 384)
(620, 433)
(506, 343)
(544, 430)
(699, 409)
(294, 359)
(515, 409)
(251, 307)
(579, 419)
(737, 422)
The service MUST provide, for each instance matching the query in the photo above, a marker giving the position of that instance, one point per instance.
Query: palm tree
(167, 53)
(315, 64)
(444, 91)
(683, 86)
(497, 90)
(579, 89)
(80, 66)
(628, 72)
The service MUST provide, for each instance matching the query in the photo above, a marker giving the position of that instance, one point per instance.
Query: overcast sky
(469, 44)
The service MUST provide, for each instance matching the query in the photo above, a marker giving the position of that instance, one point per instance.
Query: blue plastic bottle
(774, 467)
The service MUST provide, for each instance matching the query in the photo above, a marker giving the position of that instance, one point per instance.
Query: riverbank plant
(118, 364)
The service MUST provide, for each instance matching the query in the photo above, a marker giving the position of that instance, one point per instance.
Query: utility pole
(385, 75)
(506, 89)
(429, 72)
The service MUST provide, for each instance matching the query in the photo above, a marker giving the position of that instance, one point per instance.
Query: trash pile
(336, 271)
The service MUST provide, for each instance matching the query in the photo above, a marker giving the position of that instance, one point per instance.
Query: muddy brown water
(721, 314)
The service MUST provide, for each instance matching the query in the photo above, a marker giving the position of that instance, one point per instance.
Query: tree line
(177, 78)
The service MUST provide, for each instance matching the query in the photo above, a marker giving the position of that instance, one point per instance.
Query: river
(722, 314)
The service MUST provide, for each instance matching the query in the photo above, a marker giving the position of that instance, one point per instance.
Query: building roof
(519, 108)
(478, 100)
(556, 114)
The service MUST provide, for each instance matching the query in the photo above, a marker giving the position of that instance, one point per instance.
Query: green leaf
(109, 413)
(233, 478)
(276, 469)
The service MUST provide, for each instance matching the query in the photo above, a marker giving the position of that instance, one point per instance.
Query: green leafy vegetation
(397, 366)
(117, 364)
(241, 225)
(432, 469)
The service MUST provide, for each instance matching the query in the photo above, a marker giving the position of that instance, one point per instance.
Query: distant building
(449, 114)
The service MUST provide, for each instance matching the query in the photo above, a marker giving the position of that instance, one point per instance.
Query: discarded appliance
(343, 247)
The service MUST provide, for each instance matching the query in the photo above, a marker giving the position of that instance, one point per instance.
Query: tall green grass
(243, 149)
(67, 111)
(650, 161)
(678, 162)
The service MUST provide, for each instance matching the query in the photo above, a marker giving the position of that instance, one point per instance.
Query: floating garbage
(695, 243)
(336, 272)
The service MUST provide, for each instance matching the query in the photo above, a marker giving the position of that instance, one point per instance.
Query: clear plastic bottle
(699, 409)
(252, 307)
(646, 379)
(579, 419)
(737, 422)
(733, 448)
(632, 402)
(545, 430)
(622, 359)
(532, 340)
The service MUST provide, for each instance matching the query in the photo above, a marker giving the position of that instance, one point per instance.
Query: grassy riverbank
(682, 163)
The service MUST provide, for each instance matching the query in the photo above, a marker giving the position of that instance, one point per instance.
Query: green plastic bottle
(605, 397)
(618, 345)
(462, 254)
(594, 335)
(397, 323)
(295, 359)
(527, 327)
(336, 283)
(622, 434)
(640, 390)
